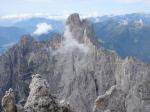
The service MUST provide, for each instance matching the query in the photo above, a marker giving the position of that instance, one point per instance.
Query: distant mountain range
(9, 36)
(128, 35)
(31, 23)
(12, 30)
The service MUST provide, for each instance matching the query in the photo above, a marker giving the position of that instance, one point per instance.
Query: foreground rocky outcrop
(39, 99)
(8, 101)
(78, 70)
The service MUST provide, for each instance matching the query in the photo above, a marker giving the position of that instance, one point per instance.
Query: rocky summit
(39, 99)
(78, 71)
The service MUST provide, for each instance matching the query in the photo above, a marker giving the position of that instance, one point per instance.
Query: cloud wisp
(42, 28)
(22, 16)
(70, 43)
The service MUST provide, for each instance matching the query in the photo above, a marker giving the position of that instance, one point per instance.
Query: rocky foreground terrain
(79, 72)
(39, 99)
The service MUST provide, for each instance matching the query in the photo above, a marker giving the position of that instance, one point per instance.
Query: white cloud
(123, 22)
(71, 43)
(57, 17)
(93, 14)
(23, 16)
(42, 28)
(139, 23)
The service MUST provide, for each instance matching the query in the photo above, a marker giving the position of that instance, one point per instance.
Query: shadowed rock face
(76, 75)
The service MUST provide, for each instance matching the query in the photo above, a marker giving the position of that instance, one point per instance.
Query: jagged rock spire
(25, 39)
(74, 19)
(79, 27)
(40, 99)
(8, 101)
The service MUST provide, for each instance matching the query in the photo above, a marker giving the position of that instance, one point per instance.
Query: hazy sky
(64, 7)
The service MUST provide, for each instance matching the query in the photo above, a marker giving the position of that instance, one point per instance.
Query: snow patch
(123, 22)
(139, 23)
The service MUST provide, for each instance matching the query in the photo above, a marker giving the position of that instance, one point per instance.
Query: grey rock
(112, 100)
(8, 102)
(39, 99)
(76, 76)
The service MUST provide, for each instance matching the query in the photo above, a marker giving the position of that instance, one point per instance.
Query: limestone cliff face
(78, 71)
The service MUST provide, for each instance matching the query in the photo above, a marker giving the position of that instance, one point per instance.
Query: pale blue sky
(84, 7)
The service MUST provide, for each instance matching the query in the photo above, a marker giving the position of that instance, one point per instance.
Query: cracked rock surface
(77, 70)
(39, 99)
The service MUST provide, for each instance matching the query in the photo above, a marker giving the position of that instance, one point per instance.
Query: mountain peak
(81, 30)
(74, 19)
(26, 39)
